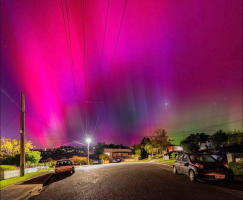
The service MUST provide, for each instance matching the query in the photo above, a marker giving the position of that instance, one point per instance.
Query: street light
(88, 141)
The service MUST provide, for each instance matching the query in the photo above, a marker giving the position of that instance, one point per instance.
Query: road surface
(134, 181)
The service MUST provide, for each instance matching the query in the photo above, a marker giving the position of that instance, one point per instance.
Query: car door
(184, 167)
(178, 163)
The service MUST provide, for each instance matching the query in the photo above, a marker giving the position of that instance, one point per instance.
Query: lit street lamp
(88, 141)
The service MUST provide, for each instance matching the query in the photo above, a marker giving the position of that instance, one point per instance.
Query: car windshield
(202, 158)
(63, 163)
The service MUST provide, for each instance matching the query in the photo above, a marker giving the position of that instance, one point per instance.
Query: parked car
(95, 161)
(64, 165)
(221, 155)
(202, 166)
(116, 160)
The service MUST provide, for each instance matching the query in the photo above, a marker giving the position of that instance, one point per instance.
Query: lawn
(10, 181)
(142, 160)
(170, 162)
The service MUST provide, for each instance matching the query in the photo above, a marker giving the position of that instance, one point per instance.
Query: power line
(116, 44)
(69, 46)
(9, 121)
(3, 91)
(114, 51)
(98, 118)
(47, 126)
(103, 45)
(203, 119)
(208, 127)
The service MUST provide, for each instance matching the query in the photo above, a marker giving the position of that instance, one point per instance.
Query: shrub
(159, 156)
(79, 160)
(50, 164)
(7, 168)
(103, 156)
(237, 167)
(173, 155)
(91, 162)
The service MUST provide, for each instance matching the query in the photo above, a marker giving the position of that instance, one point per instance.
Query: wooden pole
(22, 135)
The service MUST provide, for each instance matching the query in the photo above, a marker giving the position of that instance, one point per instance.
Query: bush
(103, 156)
(50, 164)
(159, 156)
(80, 160)
(237, 167)
(173, 155)
(7, 168)
(91, 162)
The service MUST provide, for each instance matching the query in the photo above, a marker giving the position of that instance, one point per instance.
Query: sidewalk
(24, 189)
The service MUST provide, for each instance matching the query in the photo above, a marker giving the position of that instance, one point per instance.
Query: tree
(191, 143)
(235, 138)
(11, 147)
(160, 139)
(33, 157)
(148, 148)
(98, 148)
(137, 149)
(219, 139)
(103, 156)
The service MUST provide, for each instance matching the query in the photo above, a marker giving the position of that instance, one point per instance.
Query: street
(134, 181)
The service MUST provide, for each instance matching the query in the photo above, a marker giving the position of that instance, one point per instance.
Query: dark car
(201, 166)
(221, 155)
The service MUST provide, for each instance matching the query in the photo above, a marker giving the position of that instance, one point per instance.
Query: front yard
(169, 162)
(10, 181)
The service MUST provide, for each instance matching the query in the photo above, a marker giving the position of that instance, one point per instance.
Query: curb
(47, 179)
(37, 189)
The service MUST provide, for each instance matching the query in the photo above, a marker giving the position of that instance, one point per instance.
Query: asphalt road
(134, 181)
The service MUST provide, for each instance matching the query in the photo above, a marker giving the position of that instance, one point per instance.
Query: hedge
(7, 167)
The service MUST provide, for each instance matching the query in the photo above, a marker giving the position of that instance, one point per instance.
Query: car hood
(213, 165)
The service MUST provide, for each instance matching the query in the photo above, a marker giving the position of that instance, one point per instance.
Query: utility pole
(22, 135)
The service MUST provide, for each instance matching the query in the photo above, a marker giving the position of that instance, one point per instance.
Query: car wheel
(175, 170)
(73, 171)
(192, 176)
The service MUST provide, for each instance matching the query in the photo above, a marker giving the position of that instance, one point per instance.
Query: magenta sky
(187, 54)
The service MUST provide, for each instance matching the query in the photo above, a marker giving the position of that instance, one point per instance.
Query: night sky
(175, 65)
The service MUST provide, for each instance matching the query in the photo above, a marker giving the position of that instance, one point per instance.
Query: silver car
(201, 166)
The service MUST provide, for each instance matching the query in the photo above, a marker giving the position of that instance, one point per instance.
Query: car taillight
(226, 166)
(199, 166)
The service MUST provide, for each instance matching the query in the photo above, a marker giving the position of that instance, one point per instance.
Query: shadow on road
(224, 184)
(36, 180)
(59, 177)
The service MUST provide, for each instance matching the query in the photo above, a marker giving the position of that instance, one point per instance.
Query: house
(118, 153)
(174, 148)
(51, 159)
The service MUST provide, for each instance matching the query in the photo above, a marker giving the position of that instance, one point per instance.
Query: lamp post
(88, 141)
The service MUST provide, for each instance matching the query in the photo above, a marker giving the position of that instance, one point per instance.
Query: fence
(234, 157)
(14, 173)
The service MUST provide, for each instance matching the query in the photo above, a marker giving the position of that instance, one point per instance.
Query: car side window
(185, 158)
(179, 157)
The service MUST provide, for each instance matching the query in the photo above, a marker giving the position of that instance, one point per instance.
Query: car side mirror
(186, 164)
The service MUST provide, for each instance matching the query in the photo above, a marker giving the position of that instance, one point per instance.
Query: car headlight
(200, 166)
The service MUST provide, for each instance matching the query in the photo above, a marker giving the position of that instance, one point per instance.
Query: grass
(10, 181)
(142, 160)
(170, 162)
(236, 167)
